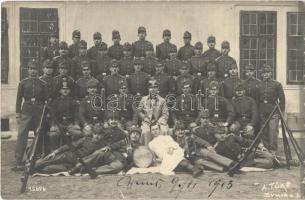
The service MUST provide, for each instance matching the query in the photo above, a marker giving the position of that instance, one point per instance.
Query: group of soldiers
(113, 100)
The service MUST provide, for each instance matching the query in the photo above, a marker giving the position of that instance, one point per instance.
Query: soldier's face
(65, 91)
(135, 136)
(198, 52)
(155, 131)
(266, 75)
(142, 35)
(76, 40)
(184, 71)
(114, 70)
(159, 69)
(86, 72)
(149, 53)
(63, 52)
(233, 72)
(173, 55)
(127, 53)
(97, 42)
(137, 68)
(32, 72)
(186, 90)
(250, 73)
(82, 51)
(48, 71)
(211, 44)
(225, 51)
(112, 123)
(213, 92)
(204, 121)
(92, 91)
(153, 91)
(116, 40)
(63, 71)
(123, 91)
(187, 40)
(240, 93)
(166, 38)
(211, 74)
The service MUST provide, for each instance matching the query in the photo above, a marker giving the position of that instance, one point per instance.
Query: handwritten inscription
(278, 190)
(220, 183)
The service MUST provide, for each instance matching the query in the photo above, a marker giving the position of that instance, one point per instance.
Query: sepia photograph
(150, 99)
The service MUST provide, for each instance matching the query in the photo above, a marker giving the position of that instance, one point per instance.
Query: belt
(267, 102)
(33, 101)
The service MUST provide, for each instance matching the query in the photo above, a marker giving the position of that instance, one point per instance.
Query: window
(295, 48)
(36, 25)
(4, 47)
(257, 40)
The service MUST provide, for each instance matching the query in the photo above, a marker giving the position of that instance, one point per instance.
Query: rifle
(253, 145)
(30, 162)
(72, 148)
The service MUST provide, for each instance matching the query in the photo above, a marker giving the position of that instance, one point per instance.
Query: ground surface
(280, 183)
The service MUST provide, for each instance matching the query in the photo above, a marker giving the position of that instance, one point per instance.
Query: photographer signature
(220, 183)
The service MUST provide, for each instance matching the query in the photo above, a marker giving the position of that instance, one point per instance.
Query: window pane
(253, 19)
(246, 30)
(270, 43)
(246, 54)
(245, 44)
(262, 54)
(253, 43)
(270, 18)
(245, 19)
(292, 18)
(292, 30)
(292, 75)
(253, 54)
(270, 29)
(262, 29)
(262, 18)
(300, 76)
(292, 54)
(270, 53)
(253, 29)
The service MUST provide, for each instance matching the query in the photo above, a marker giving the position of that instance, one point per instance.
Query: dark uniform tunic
(60, 59)
(90, 110)
(50, 52)
(73, 50)
(224, 63)
(77, 65)
(220, 109)
(186, 52)
(93, 51)
(246, 111)
(126, 66)
(102, 65)
(32, 92)
(252, 85)
(172, 67)
(181, 79)
(212, 54)
(199, 65)
(49, 81)
(166, 84)
(163, 49)
(112, 83)
(82, 86)
(64, 108)
(139, 48)
(138, 83)
(149, 65)
(229, 85)
(116, 51)
(58, 82)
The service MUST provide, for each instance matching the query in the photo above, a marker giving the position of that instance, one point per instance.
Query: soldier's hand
(18, 117)
(50, 156)
(106, 149)
(87, 130)
(211, 148)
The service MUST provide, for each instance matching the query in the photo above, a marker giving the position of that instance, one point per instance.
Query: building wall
(200, 18)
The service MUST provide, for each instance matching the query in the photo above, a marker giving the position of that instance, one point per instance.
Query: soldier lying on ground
(170, 154)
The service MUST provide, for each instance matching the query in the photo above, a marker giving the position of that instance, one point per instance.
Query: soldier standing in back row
(187, 51)
(172, 64)
(126, 65)
(270, 92)
(32, 92)
(251, 83)
(103, 62)
(116, 50)
(224, 62)
(163, 49)
(211, 53)
(139, 47)
(63, 57)
(149, 61)
(73, 48)
(198, 62)
(93, 51)
(230, 83)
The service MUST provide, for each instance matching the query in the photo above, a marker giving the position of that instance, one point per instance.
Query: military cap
(48, 64)
(233, 66)
(63, 64)
(85, 64)
(135, 129)
(198, 45)
(127, 46)
(211, 67)
(186, 84)
(76, 34)
(92, 83)
(211, 38)
(225, 45)
(83, 44)
(149, 47)
(166, 32)
(33, 64)
(103, 47)
(138, 61)
(63, 45)
(187, 34)
(152, 83)
(205, 113)
(250, 67)
(213, 85)
(172, 49)
(97, 36)
(114, 63)
(141, 29)
(266, 69)
(116, 34)
(240, 87)
(185, 65)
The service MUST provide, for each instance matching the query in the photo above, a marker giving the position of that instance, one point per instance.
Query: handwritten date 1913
(221, 184)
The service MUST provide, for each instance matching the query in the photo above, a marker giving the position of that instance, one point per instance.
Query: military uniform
(126, 63)
(87, 113)
(172, 67)
(112, 83)
(163, 49)
(137, 83)
(139, 47)
(32, 92)
(63, 58)
(73, 48)
(199, 65)
(58, 81)
(82, 86)
(50, 51)
(187, 51)
(93, 51)
(48, 79)
(224, 62)
(149, 65)
(116, 50)
(211, 53)
(77, 64)
(270, 91)
(252, 85)
(166, 84)
(229, 85)
(181, 79)
(102, 64)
